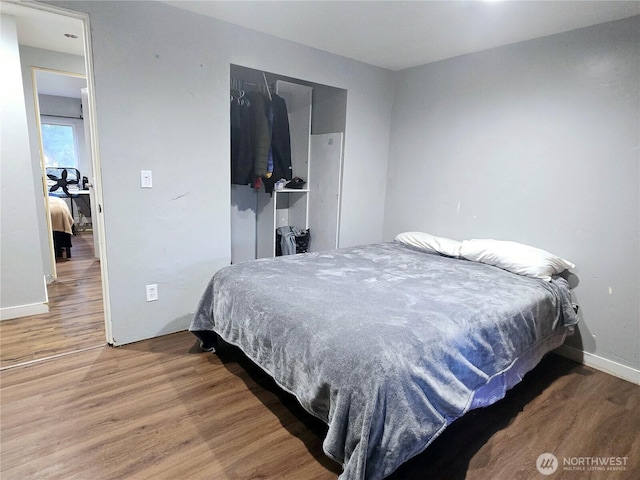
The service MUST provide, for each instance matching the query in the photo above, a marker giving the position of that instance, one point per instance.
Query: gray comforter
(386, 344)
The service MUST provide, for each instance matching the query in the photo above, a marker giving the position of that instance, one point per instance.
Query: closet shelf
(292, 190)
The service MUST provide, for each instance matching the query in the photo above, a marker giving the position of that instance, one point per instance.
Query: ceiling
(402, 34)
(388, 34)
(41, 29)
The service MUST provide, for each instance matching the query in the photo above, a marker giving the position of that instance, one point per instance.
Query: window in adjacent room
(59, 144)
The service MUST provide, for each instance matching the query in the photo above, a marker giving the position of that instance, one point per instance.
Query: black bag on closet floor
(302, 242)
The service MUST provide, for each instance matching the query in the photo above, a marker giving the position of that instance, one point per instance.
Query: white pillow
(515, 257)
(430, 243)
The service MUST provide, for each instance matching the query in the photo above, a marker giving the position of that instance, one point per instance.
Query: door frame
(90, 116)
(43, 167)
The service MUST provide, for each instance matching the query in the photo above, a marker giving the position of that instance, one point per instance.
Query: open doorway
(58, 103)
(65, 162)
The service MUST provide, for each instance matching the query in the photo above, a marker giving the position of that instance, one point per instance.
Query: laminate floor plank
(562, 408)
(76, 315)
(161, 409)
(138, 412)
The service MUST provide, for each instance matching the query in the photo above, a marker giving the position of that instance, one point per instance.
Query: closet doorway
(316, 121)
(57, 81)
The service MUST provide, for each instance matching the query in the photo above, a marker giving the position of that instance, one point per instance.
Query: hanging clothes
(260, 140)
(280, 143)
(270, 120)
(241, 154)
(260, 134)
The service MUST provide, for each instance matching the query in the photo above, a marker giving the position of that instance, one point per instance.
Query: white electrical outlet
(152, 293)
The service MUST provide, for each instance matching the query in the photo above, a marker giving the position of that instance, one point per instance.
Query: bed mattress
(386, 344)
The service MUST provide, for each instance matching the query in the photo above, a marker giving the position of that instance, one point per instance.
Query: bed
(61, 225)
(385, 343)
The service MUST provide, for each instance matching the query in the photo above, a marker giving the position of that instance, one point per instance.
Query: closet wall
(256, 214)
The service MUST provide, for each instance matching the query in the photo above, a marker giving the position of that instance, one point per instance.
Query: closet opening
(287, 138)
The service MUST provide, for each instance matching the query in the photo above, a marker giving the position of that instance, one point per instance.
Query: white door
(92, 192)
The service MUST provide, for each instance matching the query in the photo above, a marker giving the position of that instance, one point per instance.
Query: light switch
(145, 179)
(152, 292)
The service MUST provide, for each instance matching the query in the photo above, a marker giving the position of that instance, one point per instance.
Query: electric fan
(62, 177)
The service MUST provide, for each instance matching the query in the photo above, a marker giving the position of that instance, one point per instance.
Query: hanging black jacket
(280, 143)
(241, 156)
(260, 137)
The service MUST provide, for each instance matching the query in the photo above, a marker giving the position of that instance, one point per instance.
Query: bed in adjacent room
(386, 343)
(61, 225)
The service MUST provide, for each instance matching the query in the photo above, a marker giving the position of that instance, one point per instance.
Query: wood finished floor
(76, 317)
(161, 409)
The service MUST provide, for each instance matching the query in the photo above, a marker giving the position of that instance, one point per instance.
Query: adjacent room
(354, 240)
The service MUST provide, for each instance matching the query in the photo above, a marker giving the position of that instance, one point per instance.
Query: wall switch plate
(152, 292)
(146, 180)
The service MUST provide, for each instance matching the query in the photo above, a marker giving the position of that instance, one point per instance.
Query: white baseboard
(616, 369)
(23, 311)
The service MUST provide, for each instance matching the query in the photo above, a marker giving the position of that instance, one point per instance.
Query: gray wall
(161, 88)
(60, 106)
(37, 57)
(22, 284)
(535, 142)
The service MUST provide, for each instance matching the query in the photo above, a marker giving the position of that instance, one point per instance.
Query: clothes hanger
(266, 85)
